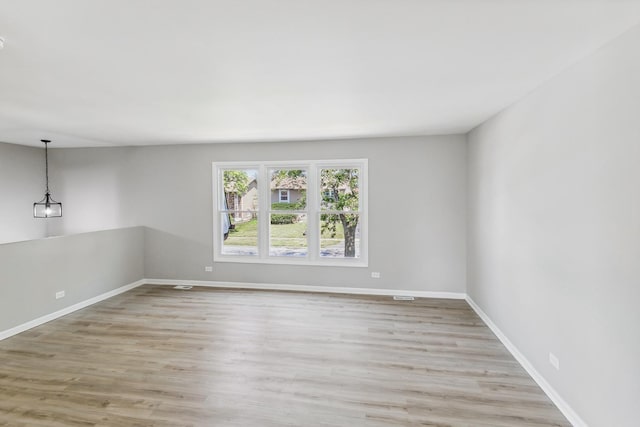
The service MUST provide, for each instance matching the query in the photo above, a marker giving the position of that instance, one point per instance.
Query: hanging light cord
(46, 164)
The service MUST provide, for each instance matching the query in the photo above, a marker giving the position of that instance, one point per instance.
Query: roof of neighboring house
(289, 183)
(230, 187)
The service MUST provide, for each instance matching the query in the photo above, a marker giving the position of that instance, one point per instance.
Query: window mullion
(313, 219)
(264, 208)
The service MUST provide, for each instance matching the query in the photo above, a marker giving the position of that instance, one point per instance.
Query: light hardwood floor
(156, 356)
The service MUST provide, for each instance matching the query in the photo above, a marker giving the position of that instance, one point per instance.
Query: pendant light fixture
(47, 207)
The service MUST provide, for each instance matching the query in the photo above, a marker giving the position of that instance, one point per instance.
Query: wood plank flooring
(156, 356)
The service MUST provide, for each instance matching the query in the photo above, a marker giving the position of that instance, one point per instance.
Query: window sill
(293, 261)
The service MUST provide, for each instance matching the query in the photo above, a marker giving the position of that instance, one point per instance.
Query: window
(284, 196)
(239, 187)
(328, 193)
(302, 212)
(340, 212)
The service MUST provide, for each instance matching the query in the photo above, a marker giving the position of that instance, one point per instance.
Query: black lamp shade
(47, 208)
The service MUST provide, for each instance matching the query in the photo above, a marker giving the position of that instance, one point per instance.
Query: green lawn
(282, 235)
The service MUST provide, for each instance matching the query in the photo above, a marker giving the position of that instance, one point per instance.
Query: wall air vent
(403, 298)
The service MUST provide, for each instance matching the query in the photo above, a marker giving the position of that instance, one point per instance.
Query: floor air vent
(403, 298)
(183, 287)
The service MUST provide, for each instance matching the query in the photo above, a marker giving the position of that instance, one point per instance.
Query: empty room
(319, 213)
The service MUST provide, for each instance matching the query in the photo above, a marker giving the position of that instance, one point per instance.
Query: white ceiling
(136, 72)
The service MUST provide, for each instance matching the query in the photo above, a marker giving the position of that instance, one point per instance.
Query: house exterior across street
(288, 189)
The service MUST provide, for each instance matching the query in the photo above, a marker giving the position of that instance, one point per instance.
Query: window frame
(313, 209)
(280, 196)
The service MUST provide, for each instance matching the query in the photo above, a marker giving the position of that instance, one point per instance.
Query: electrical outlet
(59, 294)
(555, 362)
(375, 274)
(208, 268)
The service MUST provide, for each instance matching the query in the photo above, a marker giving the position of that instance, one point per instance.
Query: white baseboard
(308, 288)
(52, 316)
(562, 405)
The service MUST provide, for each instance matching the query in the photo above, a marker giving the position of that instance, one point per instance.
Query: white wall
(554, 230)
(416, 208)
(22, 182)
